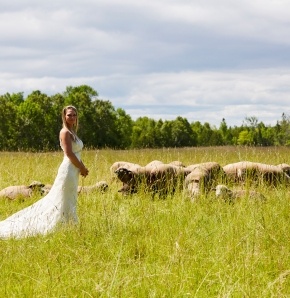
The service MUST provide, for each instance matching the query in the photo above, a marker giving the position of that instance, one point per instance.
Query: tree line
(33, 124)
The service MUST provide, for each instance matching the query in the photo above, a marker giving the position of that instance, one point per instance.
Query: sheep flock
(158, 178)
(164, 179)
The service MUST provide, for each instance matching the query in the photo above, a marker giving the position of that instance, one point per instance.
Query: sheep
(223, 192)
(131, 175)
(127, 190)
(101, 186)
(272, 174)
(285, 167)
(177, 163)
(201, 177)
(21, 191)
(153, 164)
(196, 181)
(119, 164)
(133, 167)
(133, 178)
(213, 167)
(46, 189)
(269, 173)
(165, 178)
(156, 177)
(235, 171)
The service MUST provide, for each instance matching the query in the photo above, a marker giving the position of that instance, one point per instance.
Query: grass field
(134, 246)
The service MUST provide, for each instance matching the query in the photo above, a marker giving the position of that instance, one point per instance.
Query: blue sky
(202, 60)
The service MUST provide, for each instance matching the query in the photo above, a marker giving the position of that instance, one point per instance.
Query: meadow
(133, 246)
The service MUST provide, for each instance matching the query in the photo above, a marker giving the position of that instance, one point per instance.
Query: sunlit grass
(138, 247)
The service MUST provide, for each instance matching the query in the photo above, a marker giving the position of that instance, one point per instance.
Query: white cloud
(203, 60)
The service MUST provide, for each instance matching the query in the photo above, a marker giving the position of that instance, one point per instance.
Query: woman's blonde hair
(64, 124)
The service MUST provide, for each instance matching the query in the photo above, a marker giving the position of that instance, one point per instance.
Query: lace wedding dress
(59, 205)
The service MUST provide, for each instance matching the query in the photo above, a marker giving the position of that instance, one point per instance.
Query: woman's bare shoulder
(65, 134)
(64, 131)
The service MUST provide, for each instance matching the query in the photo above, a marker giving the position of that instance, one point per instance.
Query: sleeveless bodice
(77, 146)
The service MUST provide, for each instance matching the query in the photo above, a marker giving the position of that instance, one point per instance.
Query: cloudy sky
(202, 60)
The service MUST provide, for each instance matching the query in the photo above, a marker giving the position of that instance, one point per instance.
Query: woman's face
(70, 117)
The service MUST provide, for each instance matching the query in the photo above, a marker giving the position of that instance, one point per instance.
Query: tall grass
(134, 246)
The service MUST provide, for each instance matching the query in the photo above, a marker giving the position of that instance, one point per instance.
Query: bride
(60, 204)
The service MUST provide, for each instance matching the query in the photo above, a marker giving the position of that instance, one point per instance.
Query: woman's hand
(84, 171)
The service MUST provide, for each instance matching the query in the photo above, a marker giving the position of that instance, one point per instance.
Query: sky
(204, 60)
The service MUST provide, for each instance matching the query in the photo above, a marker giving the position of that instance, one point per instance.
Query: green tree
(34, 122)
(265, 135)
(104, 129)
(282, 130)
(246, 138)
(158, 134)
(54, 120)
(144, 133)
(124, 124)
(204, 133)
(182, 133)
(8, 125)
(251, 123)
(166, 134)
(225, 133)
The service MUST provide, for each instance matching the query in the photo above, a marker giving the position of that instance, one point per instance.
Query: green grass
(138, 247)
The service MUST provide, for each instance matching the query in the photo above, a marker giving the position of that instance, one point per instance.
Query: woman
(59, 205)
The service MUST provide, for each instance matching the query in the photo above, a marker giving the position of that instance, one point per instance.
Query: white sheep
(155, 177)
(201, 178)
(21, 191)
(239, 171)
(133, 178)
(196, 182)
(100, 186)
(153, 164)
(177, 163)
(285, 167)
(228, 195)
(120, 164)
(167, 178)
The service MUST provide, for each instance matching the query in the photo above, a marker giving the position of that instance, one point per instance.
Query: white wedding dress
(59, 205)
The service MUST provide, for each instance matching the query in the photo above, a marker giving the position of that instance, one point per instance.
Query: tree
(225, 133)
(182, 133)
(204, 133)
(104, 129)
(144, 133)
(9, 114)
(34, 122)
(245, 138)
(124, 125)
(282, 130)
(166, 134)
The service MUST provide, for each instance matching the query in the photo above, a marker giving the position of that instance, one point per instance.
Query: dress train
(59, 205)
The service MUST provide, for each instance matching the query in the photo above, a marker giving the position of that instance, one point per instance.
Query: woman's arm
(65, 137)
